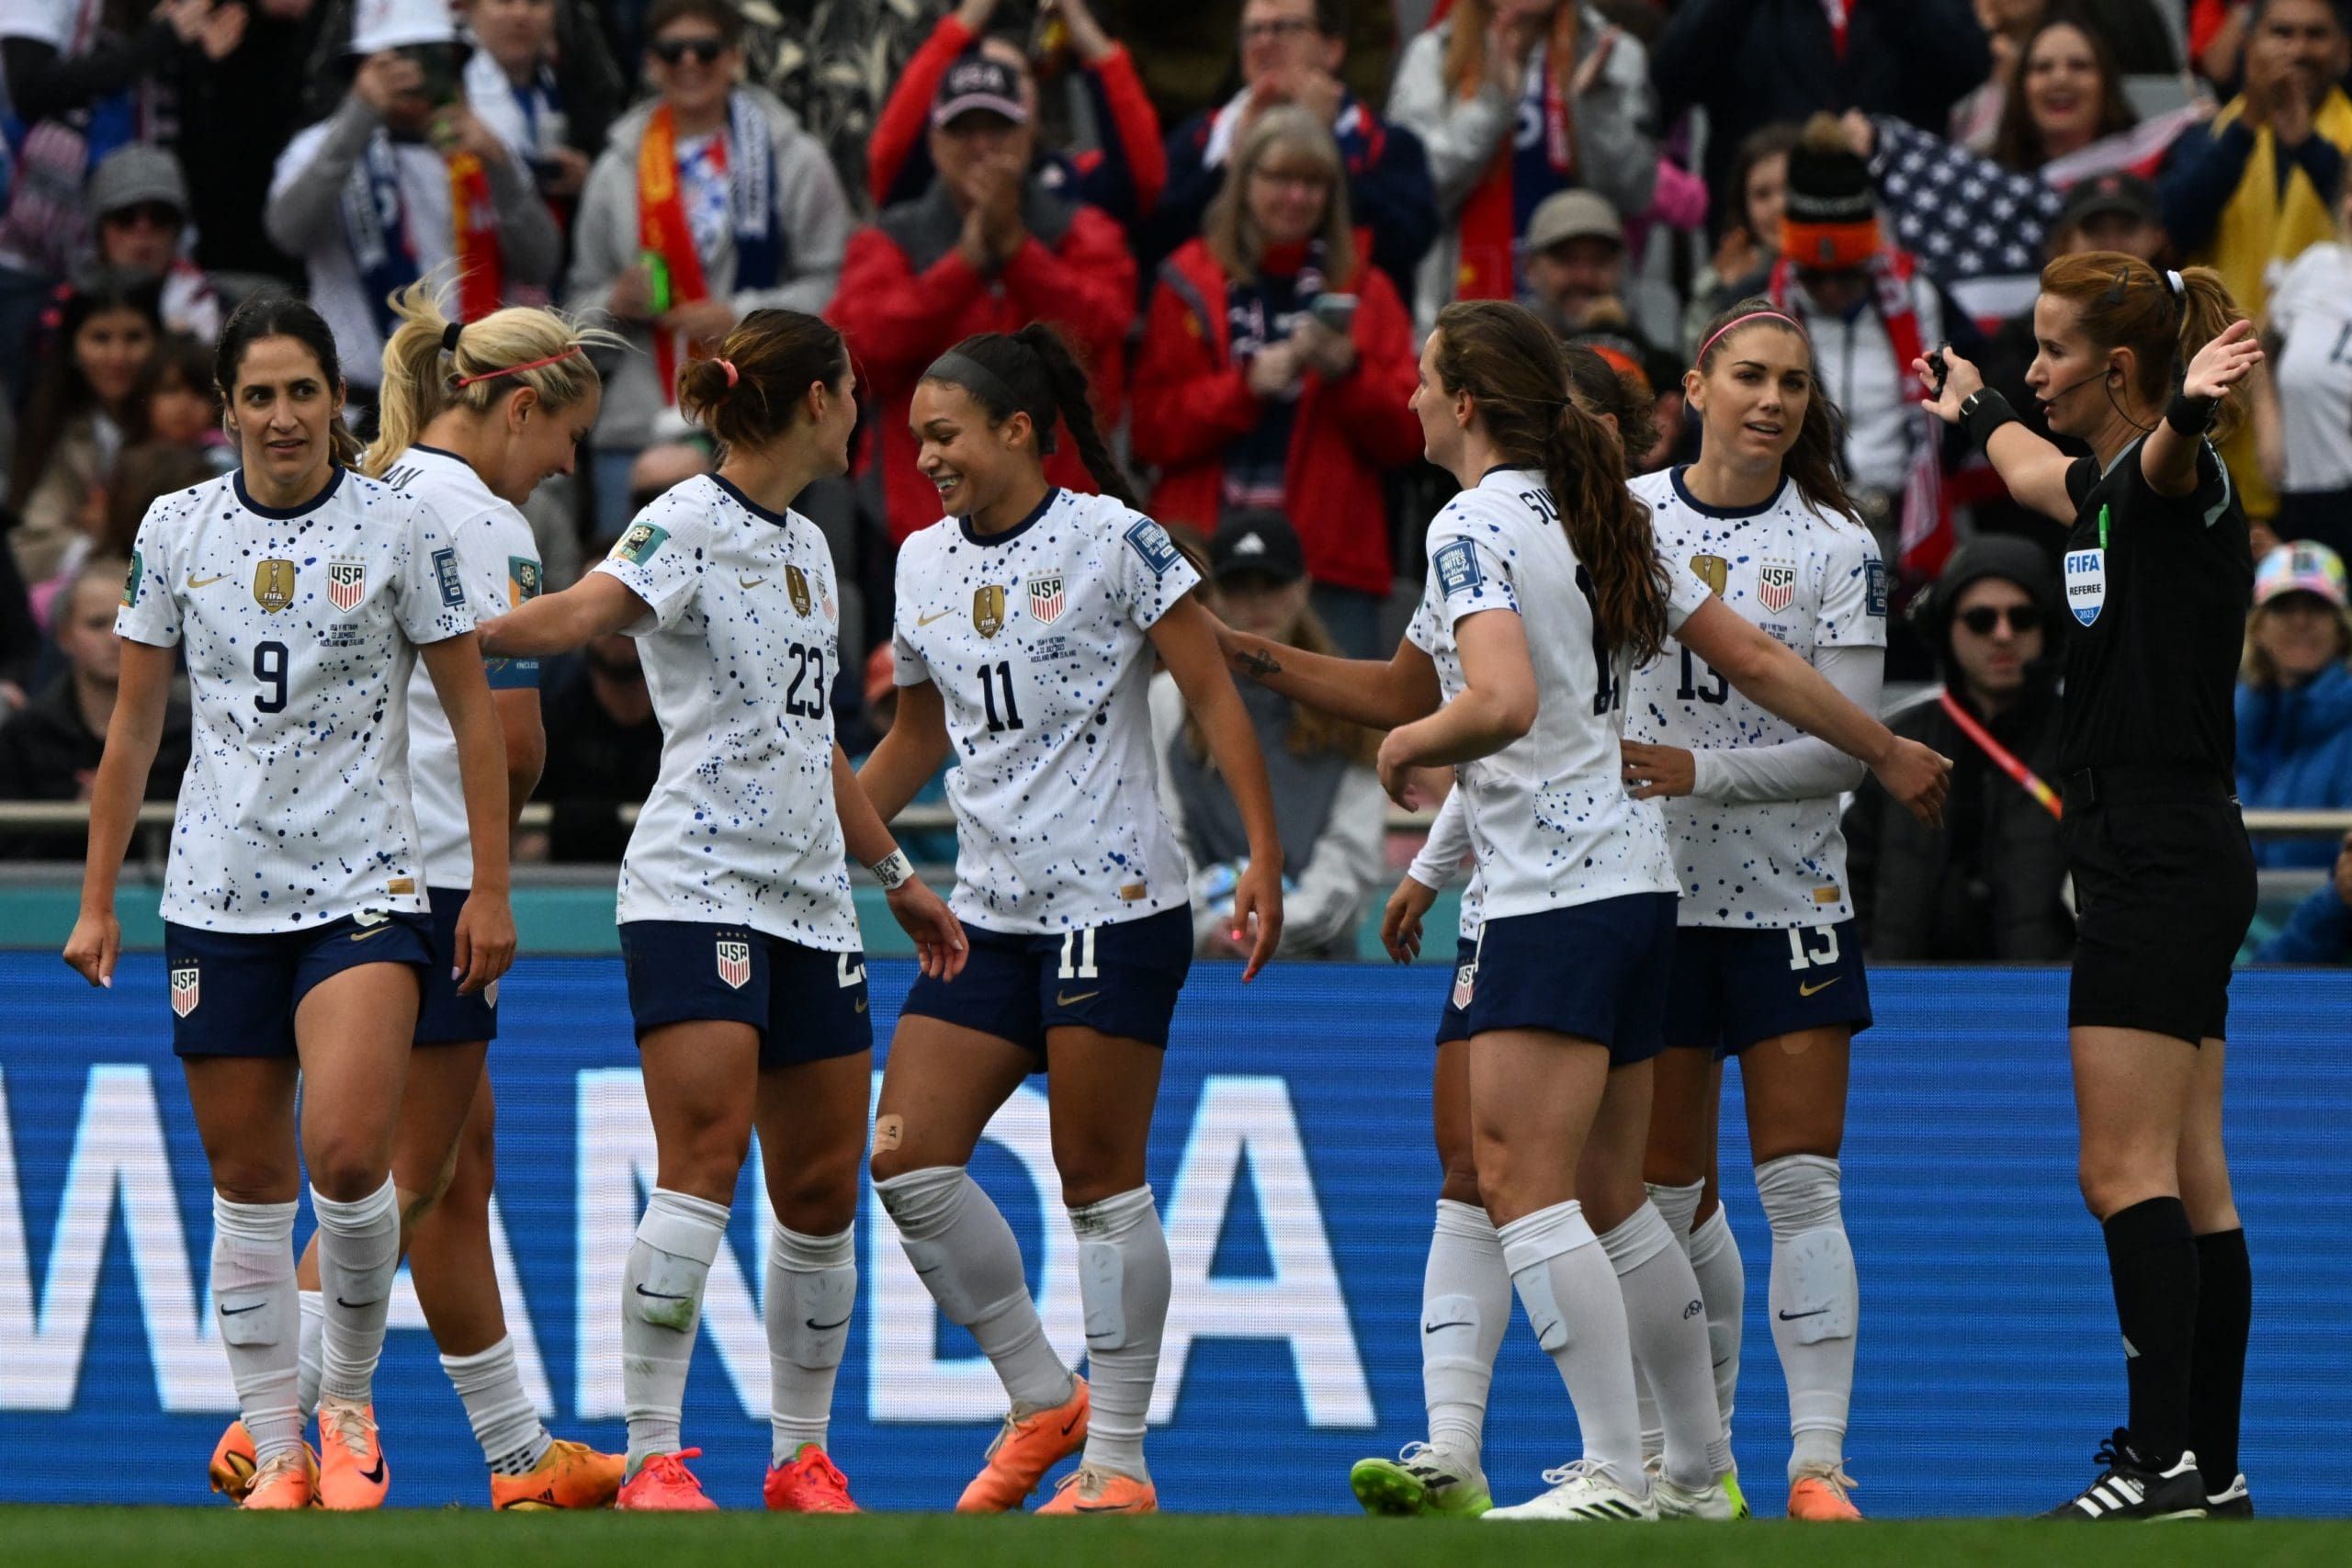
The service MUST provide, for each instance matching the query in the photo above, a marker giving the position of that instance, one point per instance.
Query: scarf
(1540, 159)
(1362, 141)
(749, 157)
(374, 222)
(1925, 539)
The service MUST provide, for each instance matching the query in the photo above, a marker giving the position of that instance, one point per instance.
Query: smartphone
(1337, 311)
(439, 62)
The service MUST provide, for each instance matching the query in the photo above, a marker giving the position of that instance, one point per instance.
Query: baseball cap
(2125, 195)
(1572, 215)
(135, 174)
(2303, 566)
(979, 83)
(380, 25)
(1262, 542)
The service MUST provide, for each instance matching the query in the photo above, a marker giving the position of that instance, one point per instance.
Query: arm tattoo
(1257, 664)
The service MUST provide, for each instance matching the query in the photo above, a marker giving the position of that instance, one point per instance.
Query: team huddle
(362, 632)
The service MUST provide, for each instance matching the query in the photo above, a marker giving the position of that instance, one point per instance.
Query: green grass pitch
(84, 1538)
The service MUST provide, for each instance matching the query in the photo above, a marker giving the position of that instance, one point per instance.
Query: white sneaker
(1712, 1502)
(1583, 1491)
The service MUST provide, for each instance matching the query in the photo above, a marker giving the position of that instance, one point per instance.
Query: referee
(2137, 363)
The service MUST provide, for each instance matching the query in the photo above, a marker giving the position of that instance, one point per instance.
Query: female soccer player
(1026, 623)
(294, 904)
(473, 418)
(745, 973)
(1767, 965)
(1568, 861)
(2137, 363)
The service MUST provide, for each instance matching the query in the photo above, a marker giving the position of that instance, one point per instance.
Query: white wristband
(893, 871)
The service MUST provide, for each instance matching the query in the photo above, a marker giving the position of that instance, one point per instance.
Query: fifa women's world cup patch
(639, 542)
(522, 580)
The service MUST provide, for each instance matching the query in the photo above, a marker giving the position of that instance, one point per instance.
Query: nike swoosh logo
(1793, 1316)
(374, 1477)
(204, 581)
(1103, 1509)
(926, 620)
(363, 936)
(1809, 991)
(822, 1327)
(1065, 1432)
(1062, 1000)
(1457, 1323)
(662, 1295)
(239, 1312)
(860, 1005)
(748, 581)
(354, 1306)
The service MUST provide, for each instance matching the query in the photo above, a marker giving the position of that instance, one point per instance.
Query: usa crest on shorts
(1466, 982)
(347, 584)
(1046, 599)
(735, 962)
(184, 979)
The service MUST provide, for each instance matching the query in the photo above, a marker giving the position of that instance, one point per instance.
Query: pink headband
(728, 365)
(1741, 321)
(518, 369)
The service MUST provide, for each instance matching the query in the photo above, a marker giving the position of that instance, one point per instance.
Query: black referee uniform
(2164, 877)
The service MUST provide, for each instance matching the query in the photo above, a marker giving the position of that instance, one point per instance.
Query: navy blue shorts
(1598, 971)
(1734, 986)
(1453, 1023)
(445, 1017)
(234, 993)
(1119, 979)
(807, 1004)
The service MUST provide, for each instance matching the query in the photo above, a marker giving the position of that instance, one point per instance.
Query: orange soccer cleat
(232, 1462)
(808, 1482)
(568, 1475)
(1029, 1446)
(352, 1471)
(1088, 1490)
(1821, 1495)
(289, 1481)
(663, 1483)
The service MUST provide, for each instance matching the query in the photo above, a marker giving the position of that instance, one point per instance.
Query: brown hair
(182, 359)
(719, 14)
(2016, 144)
(495, 357)
(2123, 302)
(2258, 669)
(1232, 235)
(1813, 461)
(1777, 139)
(1466, 48)
(143, 475)
(776, 356)
(1505, 359)
(1037, 366)
(1606, 391)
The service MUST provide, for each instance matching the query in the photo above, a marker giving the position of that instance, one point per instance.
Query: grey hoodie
(811, 208)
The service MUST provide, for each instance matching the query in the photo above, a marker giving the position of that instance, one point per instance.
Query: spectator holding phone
(708, 203)
(401, 179)
(1276, 368)
(550, 92)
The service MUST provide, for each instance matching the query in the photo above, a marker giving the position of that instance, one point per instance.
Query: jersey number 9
(269, 669)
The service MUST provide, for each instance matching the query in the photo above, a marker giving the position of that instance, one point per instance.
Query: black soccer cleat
(2132, 1490)
(2233, 1502)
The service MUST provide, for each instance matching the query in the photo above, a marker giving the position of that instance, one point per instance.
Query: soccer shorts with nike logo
(806, 1004)
(234, 993)
(1119, 979)
(1734, 986)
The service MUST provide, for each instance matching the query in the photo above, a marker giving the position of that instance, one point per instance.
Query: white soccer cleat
(1713, 1502)
(1584, 1491)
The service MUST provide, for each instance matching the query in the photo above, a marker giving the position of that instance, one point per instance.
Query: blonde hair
(423, 379)
(1232, 235)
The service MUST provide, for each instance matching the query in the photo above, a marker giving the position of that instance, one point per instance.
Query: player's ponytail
(433, 364)
(758, 386)
(1606, 392)
(1035, 372)
(1517, 377)
(2163, 317)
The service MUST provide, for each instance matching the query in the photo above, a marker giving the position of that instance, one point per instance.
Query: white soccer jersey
(1550, 820)
(500, 563)
(740, 645)
(1812, 581)
(1036, 638)
(299, 626)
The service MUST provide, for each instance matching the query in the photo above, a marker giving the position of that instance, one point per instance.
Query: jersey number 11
(992, 676)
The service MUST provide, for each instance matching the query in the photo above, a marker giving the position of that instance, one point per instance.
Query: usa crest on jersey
(184, 982)
(347, 584)
(1776, 585)
(735, 962)
(1046, 599)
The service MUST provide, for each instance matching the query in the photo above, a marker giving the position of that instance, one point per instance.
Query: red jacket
(898, 318)
(1192, 399)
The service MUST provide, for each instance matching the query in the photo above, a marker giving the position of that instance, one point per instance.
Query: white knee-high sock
(662, 1286)
(1465, 1306)
(1570, 1294)
(252, 1294)
(811, 1295)
(507, 1426)
(1676, 1204)
(360, 1250)
(1666, 1322)
(1723, 1284)
(315, 1330)
(965, 1252)
(1816, 1302)
(1123, 1282)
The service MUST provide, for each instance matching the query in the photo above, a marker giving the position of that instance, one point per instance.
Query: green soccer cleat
(1738, 1498)
(1421, 1480)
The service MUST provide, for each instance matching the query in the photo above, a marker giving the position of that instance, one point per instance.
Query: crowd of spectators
(1244, 214)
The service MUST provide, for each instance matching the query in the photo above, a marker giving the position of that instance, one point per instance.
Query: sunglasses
(670, 51)
(2022, 619)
